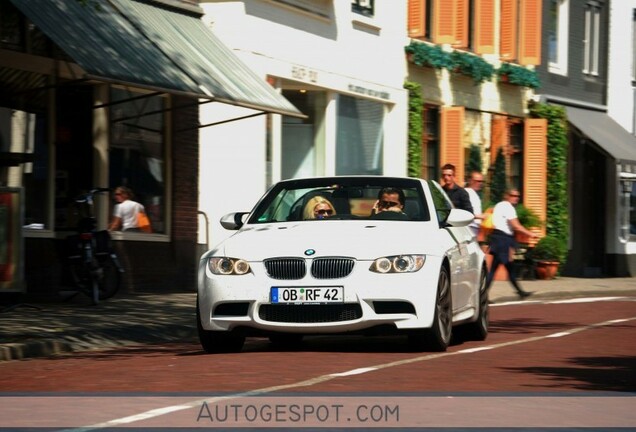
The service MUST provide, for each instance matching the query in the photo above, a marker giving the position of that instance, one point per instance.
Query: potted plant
(547, 255)
(531, 221)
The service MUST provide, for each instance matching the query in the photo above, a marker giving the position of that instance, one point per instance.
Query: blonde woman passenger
(318, 207)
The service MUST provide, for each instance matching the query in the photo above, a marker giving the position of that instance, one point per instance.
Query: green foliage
(474, 161)
(498, 183)
(415, 128)
(519, 75)
(527, 217)
(557, 217)
(429, 55)
(473, 66)
(549, 248)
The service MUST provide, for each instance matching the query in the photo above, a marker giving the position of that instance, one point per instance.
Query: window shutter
(443, 22)
(416, 18)
(499, 137)
(460, 24)
(530, 32)
(508, 30)
(485, 27)
(452, 145)
(535, 166)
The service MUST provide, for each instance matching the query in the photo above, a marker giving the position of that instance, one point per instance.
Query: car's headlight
(398, 264)
(228, 266)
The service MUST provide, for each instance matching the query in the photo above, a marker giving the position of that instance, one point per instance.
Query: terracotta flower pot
(546, 270)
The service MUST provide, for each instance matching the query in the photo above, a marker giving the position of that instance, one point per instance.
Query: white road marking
(323, 378)
(565, 301)
(353, 372)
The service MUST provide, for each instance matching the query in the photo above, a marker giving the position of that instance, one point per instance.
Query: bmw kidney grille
(296, 268)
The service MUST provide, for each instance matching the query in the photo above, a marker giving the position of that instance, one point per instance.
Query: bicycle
(94, 267)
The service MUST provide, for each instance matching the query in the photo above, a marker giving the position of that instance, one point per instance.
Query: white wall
(620, 107)
(343, 52)
(620, 92)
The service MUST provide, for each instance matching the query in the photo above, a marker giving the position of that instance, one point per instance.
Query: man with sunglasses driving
(390, 204)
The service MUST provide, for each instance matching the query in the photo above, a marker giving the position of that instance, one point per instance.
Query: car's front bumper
(403, 301)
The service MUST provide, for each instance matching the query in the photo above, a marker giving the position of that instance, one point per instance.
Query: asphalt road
(568, 348)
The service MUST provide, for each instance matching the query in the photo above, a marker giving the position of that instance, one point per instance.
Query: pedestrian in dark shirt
(457, 194)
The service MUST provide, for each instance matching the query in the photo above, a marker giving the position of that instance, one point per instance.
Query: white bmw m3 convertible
(342, 255)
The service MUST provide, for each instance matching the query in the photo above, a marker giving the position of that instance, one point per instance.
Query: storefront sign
(369, 92)
(302, 73)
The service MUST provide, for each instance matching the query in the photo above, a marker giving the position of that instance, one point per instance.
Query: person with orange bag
(128, 215)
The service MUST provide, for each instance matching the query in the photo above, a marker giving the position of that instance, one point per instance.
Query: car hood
(359, 239)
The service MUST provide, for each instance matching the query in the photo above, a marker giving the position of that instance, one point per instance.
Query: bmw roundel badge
(310, 252)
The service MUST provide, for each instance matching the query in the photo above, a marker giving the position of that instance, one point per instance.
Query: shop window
(22, 134)
(73, 151)
(359, 136)
(301, 138)
(137, 150)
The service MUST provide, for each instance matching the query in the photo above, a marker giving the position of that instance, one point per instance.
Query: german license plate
(306, 295)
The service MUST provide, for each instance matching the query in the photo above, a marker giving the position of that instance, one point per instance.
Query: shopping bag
(143, 223)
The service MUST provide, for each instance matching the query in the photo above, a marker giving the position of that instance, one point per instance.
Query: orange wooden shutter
(452, 142)
(499, 137)
(443, 11)
(461, 18)
(416, 18)
(451, 22)
(530, 32)
(535, 166)
(485, 27)
(508, 30)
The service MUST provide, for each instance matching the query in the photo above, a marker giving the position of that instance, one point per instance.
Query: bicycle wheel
(108, 278)
(80, 276)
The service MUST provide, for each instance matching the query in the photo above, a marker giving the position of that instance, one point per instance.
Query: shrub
(549, 248)
(527, 217)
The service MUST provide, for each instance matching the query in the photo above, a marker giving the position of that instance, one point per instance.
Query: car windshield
(341, 198)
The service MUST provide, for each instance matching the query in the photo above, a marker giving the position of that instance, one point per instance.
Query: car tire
(438, 337)
(217, 342)
(478, 330)
(286, 340)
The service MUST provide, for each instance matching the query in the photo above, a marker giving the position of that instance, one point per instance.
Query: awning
(605, 132)
(153, 47)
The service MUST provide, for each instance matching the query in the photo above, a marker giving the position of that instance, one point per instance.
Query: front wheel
(438, 337)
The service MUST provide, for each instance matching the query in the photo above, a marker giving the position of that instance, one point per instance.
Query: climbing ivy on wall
(557, 219)
(415, 128)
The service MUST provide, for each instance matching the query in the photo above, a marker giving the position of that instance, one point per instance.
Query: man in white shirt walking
(475, 183)
(502, 240)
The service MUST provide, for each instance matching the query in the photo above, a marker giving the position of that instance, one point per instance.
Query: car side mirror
(234, 221)
(459, 218)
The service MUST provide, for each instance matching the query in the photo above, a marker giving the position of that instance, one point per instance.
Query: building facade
(588, 69)
(103, 94)
(341, 64)
(457, 54)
